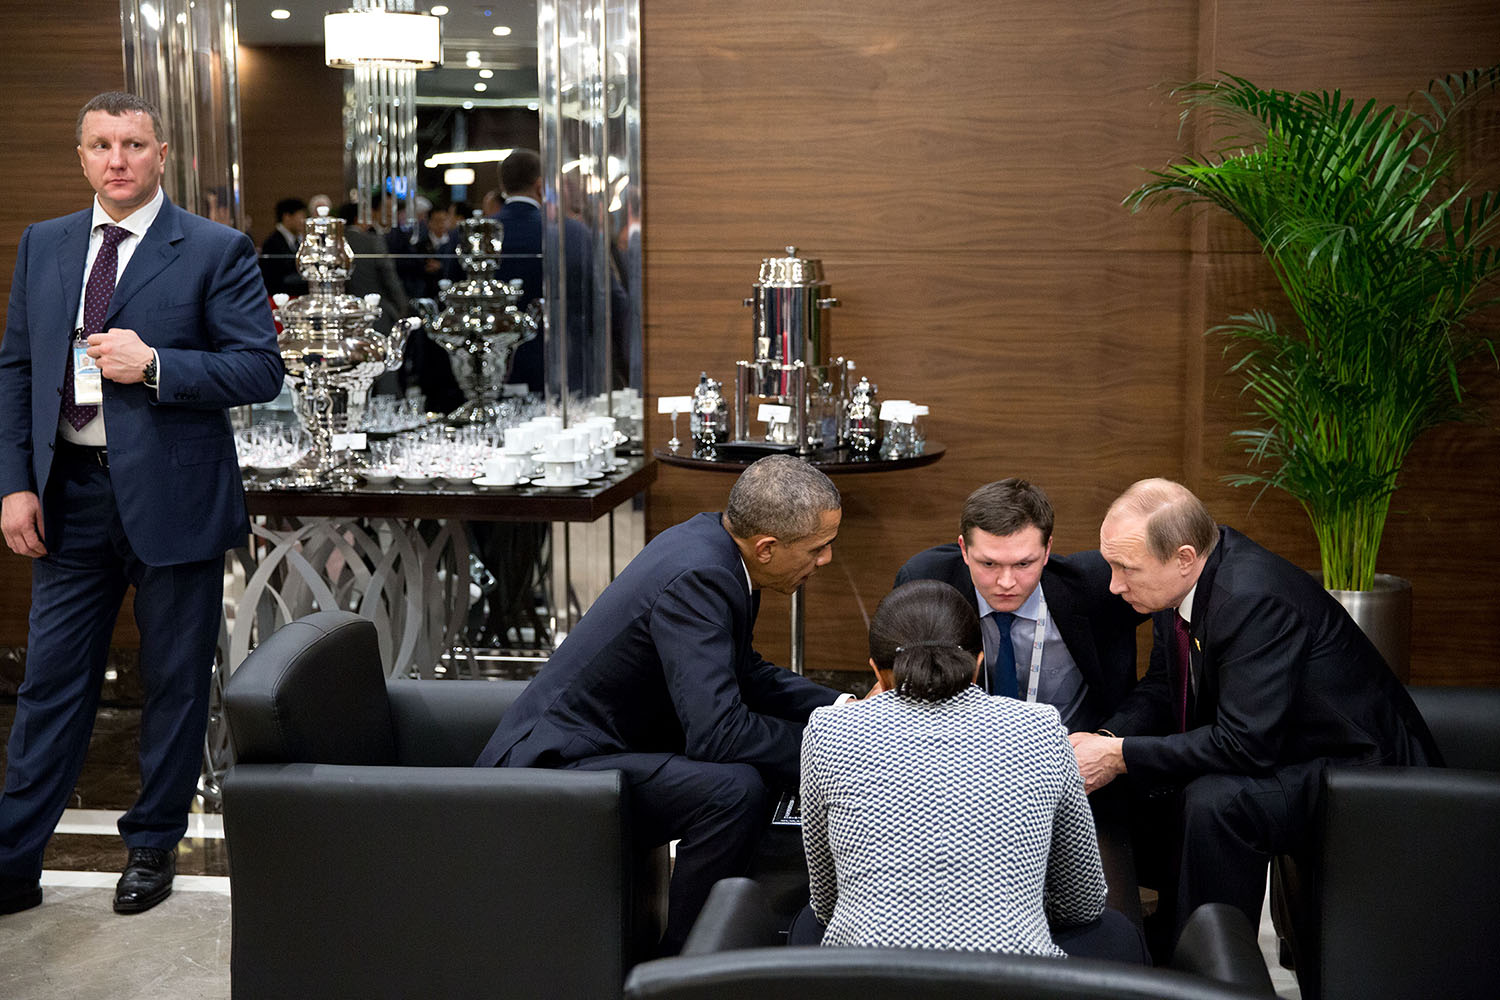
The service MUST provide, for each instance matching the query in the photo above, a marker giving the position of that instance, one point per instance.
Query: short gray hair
(780, 496)
(1174, 517)
(118, 102)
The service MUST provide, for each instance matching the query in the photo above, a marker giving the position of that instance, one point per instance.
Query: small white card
(88, 385)
(353, 441)
(771, 412)
(674, 404)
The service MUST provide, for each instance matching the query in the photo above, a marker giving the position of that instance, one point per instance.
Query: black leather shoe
(17, 894)
(147, 879)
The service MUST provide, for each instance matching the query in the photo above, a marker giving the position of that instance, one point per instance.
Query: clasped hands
(1101, 758)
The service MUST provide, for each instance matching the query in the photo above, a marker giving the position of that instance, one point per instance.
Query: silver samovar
(481, 326)
(791, 303)
(332, 352)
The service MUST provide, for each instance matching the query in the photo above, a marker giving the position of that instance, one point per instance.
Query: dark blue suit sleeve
(1258, 644)
(15, 384)
(242, 363)
(701, 657)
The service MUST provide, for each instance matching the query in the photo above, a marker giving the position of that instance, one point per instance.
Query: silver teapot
(332, 352)
(481, 324)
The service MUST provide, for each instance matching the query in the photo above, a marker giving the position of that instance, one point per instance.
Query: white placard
(353, 441)
(898, 410)
(769, 412)
(674, 404)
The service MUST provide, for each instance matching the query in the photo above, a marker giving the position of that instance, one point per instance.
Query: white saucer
(379, 478)
(405, 480)
(559, 483)
(490, 482)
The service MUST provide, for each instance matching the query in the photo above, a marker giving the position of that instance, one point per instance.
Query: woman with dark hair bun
(937, 816)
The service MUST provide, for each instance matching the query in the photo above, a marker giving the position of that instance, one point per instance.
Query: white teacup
(560, 471)
(503, 469)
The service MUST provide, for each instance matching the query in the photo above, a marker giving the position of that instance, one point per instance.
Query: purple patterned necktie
(96, 296)
(1183, 672)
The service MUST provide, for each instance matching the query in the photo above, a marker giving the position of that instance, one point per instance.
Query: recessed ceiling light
(280, 14)
(486, 74)
(481, 87)
(500, 30)
(439, 9)
(471, 56)
(468, 105)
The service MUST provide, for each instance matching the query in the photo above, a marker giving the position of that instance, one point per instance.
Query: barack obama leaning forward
(659, 681)
(134, 483)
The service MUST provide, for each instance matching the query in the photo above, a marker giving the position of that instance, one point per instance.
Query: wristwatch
(148, 374)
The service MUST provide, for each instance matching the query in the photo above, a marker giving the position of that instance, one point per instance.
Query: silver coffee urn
(481, 326)
(332, 353)
(789, 368)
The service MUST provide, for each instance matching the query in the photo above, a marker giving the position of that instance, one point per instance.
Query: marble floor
(75, 946)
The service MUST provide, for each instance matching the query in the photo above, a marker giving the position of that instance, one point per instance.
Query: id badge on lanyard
(1034, 681)
(88, 385)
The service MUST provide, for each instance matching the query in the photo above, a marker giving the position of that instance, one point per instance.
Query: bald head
(1156, 539)
(1173, 516)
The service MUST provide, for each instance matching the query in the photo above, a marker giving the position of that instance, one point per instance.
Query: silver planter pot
(1384, 614)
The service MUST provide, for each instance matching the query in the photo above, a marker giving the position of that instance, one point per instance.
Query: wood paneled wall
(47, 75)
(959, 170)
(292, 129)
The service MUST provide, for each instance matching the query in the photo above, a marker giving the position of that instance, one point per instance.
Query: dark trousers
(1113, 937)
(76, 591)
(1212, 840)
(716, 812)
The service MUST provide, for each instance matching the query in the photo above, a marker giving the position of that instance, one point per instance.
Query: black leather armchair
(368, 858)
(1399, 896)
(727, 958)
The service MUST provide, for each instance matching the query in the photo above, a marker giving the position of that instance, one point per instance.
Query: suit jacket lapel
(157, 249)
(51, 354)
(71, 256)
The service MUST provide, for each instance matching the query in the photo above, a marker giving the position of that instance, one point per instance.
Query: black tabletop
(459, 500)
(832, 461)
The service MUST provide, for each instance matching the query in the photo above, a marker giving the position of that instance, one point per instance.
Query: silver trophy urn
(332, 353)
(791, 304)
(481, 326)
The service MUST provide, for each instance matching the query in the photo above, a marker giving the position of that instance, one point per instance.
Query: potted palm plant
(1384, 254)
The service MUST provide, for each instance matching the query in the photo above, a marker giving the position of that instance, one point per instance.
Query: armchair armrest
(736, 915)
(1217, 942)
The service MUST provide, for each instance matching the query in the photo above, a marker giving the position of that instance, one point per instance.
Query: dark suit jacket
(662, 662)
(279, 268)
(520, 250)
(193, 292)
(1097, 627)
(1285, 677)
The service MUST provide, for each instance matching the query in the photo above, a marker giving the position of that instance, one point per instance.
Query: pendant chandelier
(385, 43)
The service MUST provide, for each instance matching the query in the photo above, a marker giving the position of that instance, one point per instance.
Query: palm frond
(1384, 255)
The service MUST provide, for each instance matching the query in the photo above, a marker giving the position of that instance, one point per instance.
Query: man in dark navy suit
(659, 680)
(1003, 563)
(117, 468)
(1258, 681)
(521, 220)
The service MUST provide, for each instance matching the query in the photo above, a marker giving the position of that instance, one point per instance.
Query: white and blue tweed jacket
(959, 823)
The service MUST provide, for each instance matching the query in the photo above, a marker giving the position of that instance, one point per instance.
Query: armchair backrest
(312, 692)
(1465, 722)
(446, 723)
(881, 973)
(1406, 891)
